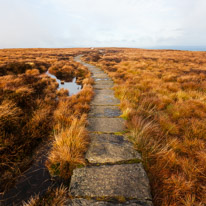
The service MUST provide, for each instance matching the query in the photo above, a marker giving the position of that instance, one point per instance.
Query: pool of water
(35, 180)
(72, 86)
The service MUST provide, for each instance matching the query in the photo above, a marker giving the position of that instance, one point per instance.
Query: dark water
(35, 180)
(73, 87)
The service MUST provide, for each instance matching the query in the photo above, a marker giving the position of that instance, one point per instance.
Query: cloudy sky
(88, 23)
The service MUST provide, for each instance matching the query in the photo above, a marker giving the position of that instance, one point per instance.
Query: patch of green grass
(120, 133)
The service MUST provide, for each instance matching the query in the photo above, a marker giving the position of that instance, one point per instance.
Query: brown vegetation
(163, 98)
(53, 197)
(67, 70)
(27, 102)
(28, 99)
(71, 137)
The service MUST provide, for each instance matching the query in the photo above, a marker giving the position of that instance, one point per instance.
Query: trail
(114, 174)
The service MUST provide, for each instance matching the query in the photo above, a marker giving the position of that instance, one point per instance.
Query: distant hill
(188, 48)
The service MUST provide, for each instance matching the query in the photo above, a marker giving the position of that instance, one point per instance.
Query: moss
(97, 132)
(80, 166)
(121, 199)
(120, 133)
(133, 161)
(54, 169)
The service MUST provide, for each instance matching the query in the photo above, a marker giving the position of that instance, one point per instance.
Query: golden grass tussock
(71, 137)
(162, 95)
(88, 81)
(69, 147)
(63, 92)
(53, 197)
(32, 72)
(33, 201)
(9, 114)
(67, 70)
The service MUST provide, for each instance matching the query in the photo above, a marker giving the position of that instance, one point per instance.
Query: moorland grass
(163, 98)
(71, 137)
(30, 107)
(27, 101)
(53, 197)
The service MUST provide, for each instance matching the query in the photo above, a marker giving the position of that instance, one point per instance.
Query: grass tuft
(69, 147)
(53, 197)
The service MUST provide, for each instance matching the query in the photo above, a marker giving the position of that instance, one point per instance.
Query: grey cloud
(62, 23)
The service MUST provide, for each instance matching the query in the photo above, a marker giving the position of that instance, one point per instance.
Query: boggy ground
(33, 112)
(163, 99)
(113, 173)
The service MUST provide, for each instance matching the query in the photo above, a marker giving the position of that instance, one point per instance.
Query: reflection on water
(73, 87)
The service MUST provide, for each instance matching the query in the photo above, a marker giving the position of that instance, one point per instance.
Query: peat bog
(162, 96)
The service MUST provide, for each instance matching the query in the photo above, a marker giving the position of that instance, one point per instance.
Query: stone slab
(95, 71)
(86, 202)
(100, 75)
(111, 181)
(104, 92)
(104, 82)
(109, 125)
(106, 86)
(96, 79)
(104, 111)
(90, 67)
(104, 99)
(108, 148)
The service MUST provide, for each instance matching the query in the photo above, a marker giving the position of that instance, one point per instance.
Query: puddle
(73, 87)
(35, 180)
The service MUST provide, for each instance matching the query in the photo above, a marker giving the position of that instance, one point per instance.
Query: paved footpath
(114, 174)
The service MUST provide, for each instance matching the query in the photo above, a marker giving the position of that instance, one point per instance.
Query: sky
(102, 23)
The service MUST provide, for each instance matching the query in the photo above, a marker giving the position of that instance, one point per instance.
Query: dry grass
(68, 148)
(28, 99)
(25, 120)
(9, 114)
(53, 197)
(67, 70)
(71, 138)
(163, 98)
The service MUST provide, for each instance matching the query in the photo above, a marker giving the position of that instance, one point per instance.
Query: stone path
(114, 174)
